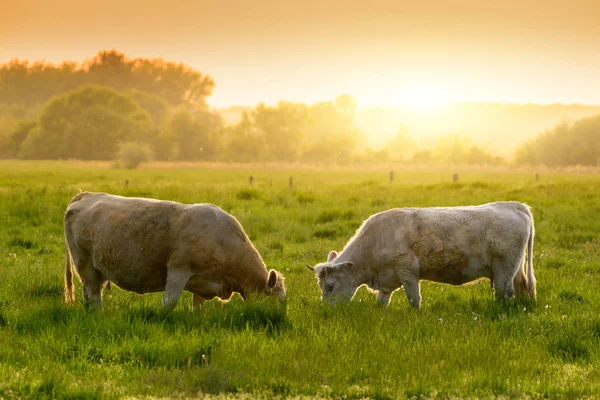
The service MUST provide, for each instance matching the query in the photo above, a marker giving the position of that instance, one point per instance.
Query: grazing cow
(453, 245)
(147, 245)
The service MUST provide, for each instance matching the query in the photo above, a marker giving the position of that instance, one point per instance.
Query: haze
(383, 53)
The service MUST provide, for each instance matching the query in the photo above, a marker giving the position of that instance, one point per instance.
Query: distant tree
(332, 135)
(460, 149)
(282, 128)
(323, 132)
(155, 105)
(243, 142)
(27, 84)
(566, 144)
(87, 124)
(194, 134)
(402, 146)
(14, 111)
(422, 157)
(13, 142)
(346, 105)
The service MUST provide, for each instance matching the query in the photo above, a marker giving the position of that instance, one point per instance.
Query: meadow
(461, 343)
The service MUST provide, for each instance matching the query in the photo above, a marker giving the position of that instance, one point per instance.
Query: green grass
(461, 344)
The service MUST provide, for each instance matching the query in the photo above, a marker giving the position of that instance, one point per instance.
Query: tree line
(30, 84)
(566, 144)
(90, 110)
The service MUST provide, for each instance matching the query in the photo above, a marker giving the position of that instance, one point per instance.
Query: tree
(87, 123)
(331, 132)
(460, 149)
(194, 134)
(156, 107)
(402, 146)
(17, 137)
(565, 144)
(28, 84)
(243, 141)
(283, 129)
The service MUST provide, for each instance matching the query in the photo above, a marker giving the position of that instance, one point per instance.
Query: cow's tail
(69, 295)
(530, 276)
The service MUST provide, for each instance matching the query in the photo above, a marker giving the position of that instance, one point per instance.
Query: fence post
(455, 177)
(391, 176)
(126, 183)
(537, 177)
(291, 181)
(250, 180)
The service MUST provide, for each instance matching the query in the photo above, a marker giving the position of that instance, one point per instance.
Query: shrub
(132, 154)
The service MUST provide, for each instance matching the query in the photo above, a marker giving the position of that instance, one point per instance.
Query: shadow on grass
(256, 314)
(55, 388)
(484, 307)
(47, 317)
(3, 320)
(494, 310)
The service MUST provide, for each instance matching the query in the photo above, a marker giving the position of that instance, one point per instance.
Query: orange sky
(382, 52)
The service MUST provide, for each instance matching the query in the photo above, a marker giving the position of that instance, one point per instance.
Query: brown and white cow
(146, 245)
(455, 245)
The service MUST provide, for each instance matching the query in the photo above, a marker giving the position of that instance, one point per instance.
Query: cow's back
(475, 227)
(128, 239)
(441, 235)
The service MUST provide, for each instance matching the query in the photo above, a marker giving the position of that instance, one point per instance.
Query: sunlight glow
(421, 97)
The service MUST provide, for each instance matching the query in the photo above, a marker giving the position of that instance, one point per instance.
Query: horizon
(384, 54)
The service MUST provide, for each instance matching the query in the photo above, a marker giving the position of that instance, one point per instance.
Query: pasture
(460, 344)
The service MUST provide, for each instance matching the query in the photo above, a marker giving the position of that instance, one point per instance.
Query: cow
(453, 245)
(147, 245)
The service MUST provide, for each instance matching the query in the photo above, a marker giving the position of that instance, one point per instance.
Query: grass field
(460, 344)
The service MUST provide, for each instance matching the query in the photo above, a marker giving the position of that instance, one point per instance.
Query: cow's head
(336, 279)
(275, 284)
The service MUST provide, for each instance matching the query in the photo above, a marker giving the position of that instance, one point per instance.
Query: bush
(132, 154)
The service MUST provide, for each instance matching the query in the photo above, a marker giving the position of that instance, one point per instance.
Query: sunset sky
(381, 52)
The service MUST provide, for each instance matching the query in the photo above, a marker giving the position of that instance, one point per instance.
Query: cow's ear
(272, 279)
(332, 256)
(347, 264)
(310, 267)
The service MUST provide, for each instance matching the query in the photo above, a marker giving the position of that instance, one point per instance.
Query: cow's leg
(91, 278)
(503, 285)
(504, 272)
(197, 302)
(176, 281)
(383, 298)
(413, 291)
(520, 283)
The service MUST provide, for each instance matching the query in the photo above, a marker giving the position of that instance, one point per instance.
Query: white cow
(147, 245)
(455, 245)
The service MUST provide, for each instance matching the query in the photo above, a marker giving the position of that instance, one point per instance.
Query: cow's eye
(330, 287)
